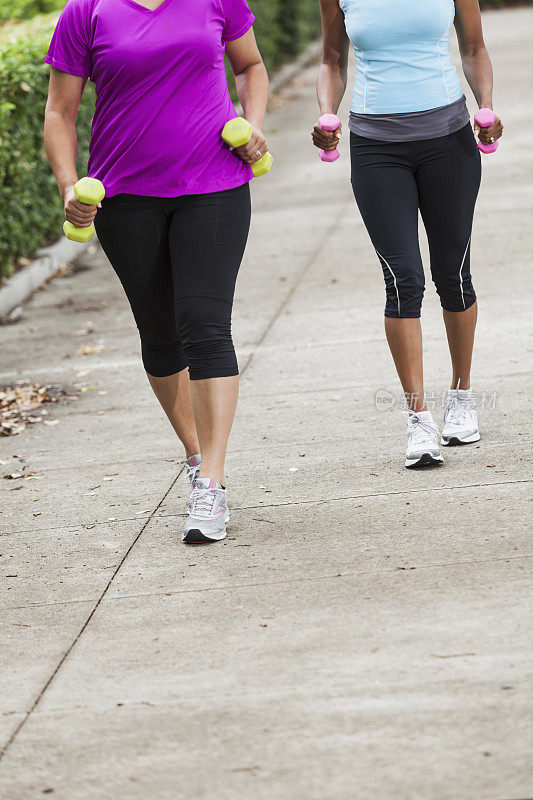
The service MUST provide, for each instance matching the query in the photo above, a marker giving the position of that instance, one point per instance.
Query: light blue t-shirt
(402, 53)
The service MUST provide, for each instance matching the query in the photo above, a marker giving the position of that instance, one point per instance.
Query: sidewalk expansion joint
(65, 655)
(321, 501)
(298, 579)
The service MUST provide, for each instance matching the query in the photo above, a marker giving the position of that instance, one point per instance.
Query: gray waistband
(412, 126)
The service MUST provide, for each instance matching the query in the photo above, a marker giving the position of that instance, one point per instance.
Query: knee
(204, 326)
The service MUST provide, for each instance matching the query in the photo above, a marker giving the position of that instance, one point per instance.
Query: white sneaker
(460, 418)
(422, 440)
(208, 510)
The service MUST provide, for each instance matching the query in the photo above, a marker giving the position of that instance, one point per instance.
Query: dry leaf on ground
(90, 349)
(19, 403)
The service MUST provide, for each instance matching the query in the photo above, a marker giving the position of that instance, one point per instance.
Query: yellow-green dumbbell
(89, 191)
(237, 132)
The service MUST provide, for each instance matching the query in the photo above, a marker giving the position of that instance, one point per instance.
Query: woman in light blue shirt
(412, 148)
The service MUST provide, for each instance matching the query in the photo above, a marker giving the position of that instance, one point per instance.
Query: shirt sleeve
(238, 19)
(69, 48)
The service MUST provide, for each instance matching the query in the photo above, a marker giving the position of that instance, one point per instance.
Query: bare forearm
(252, 88)
(477, 68)
(330, 87)
(61, 146)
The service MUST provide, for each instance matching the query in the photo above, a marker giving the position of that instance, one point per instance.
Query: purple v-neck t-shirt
(161, 92)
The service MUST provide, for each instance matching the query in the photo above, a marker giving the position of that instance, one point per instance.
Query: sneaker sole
(195, 536)
(454, 440)
(425, 460)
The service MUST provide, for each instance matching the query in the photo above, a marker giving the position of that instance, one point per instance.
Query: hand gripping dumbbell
(329, 122)
(89, 191)
(237, 132)
(486, 117)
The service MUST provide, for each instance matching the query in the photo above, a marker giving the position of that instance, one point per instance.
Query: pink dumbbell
(486, 117)
(329, 122)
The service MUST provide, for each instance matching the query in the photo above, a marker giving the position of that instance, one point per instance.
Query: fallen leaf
(90, 349)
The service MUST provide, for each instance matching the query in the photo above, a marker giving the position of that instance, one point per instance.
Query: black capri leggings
(177, 259)
(391, 181)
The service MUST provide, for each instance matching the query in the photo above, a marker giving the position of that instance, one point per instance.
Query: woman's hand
(255, 148)
(79, 214)
(326, 140)
(489, 135)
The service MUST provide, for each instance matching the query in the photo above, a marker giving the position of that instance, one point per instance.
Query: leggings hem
(460, 310)
(220, 373)
(402, 316)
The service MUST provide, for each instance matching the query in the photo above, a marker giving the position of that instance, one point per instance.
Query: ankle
(213, 475)
(193, 450)
(417, 408)
(416, 401)
(460, 383)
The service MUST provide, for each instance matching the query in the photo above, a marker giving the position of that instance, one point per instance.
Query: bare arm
(61, 144)
(251, 80)
(332, 73)
(475, 59)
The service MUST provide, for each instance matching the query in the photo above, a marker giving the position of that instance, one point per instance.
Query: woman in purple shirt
(175, 218)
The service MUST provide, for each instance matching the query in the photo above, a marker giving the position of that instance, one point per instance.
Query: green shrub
(30, 206)
(284, 27)
(26, 9)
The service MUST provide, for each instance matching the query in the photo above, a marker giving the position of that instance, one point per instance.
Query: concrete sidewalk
(363, 630)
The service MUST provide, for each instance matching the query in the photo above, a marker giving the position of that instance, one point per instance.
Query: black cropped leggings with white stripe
(391, 181)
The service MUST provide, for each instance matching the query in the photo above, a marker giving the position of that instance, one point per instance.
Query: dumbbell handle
(486, 117)
(89, 191)
(329, 122)
(237, 132)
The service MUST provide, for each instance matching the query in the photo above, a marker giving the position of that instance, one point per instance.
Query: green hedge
(26, 9)
(30, 207)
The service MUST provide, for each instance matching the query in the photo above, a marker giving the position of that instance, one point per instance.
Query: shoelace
(202, 501)
(461, 411)
(420, 430)
(191, 472)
